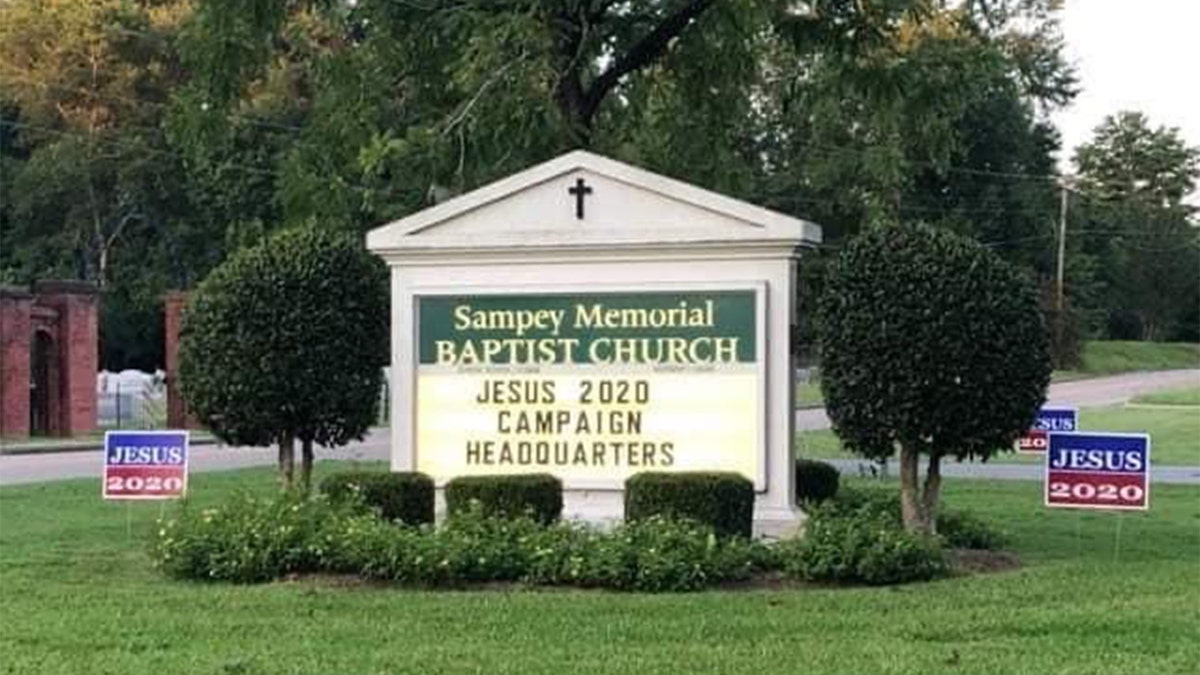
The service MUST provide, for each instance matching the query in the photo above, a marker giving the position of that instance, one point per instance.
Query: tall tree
(97, 184)
(938, 122)
(93, 189)
(87, 81)
(412, 102)
(243, 116)
(1127, 160)
(1134, 180)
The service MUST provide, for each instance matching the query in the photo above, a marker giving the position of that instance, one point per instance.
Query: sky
(1132, 55)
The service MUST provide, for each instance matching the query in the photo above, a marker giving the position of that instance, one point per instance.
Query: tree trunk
(910, 499)
(306, 464)
(569, 94)
(933, 487)
(287, 461)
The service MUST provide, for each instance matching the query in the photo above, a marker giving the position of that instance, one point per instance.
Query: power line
(832, 149)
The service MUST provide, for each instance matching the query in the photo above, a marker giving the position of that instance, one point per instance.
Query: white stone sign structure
(592, 320)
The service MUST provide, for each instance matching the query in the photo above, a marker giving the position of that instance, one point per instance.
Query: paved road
(1096, 392)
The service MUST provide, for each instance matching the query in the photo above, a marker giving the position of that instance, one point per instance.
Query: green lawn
(77, 595)
(1108, 357)
(808, 394)
(1174, 435)
(1183, 397)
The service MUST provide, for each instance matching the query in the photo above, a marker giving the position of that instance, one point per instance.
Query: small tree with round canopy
(930, 345)
(286, 341)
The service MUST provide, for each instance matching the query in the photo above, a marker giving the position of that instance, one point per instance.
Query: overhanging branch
(650, 47)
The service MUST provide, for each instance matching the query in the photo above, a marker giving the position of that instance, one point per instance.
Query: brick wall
(177, 413)
(78, 308)
(46, 399)
(15, 334)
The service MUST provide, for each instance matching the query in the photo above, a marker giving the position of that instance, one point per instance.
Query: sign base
(776, 523)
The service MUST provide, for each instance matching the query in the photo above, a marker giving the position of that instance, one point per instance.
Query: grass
(1109, 357)
(1174, 435)
(808, 394)
(1189, 396)
(78, 595)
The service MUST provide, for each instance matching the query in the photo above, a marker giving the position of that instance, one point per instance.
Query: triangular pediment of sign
(582, 199)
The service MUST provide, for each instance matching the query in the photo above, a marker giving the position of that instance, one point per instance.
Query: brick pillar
(177, 413)
(78, 306)
(15, 334)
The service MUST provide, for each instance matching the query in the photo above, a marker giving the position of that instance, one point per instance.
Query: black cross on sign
(579, 192)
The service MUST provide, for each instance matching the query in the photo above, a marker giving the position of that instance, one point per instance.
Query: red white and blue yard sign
(1048, 419)
(1098, 471)
(145, 464)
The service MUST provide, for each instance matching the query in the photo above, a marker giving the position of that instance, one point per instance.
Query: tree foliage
(286, 341)
(1137, 232)
(931, 345)
(85, 79)
(1127, 159)
(92, 186)
(220, 121)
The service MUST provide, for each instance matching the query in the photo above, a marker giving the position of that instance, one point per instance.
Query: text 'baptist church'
(552, 324)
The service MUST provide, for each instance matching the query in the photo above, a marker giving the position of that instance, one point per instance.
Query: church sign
(592, 320)
(591, 387)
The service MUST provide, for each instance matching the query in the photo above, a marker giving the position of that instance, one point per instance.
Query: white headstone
(592, 320)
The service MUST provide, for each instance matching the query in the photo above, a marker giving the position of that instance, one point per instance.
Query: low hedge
(536, 495)
(255, 540)
(860, 546)
(403, 496)
(956, 529)
(723, 501)
(252, 539)
(816, 481)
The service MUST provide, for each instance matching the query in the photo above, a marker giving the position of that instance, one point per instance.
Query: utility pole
(1060, 317)
(1065, 187)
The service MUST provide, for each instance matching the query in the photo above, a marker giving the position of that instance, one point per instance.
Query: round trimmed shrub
(286, 341)
(403, 496)
(816, 481)
(932, 344)
(722, 500)
(536, 495)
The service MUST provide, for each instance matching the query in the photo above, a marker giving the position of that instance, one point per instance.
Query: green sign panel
(653, 328)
